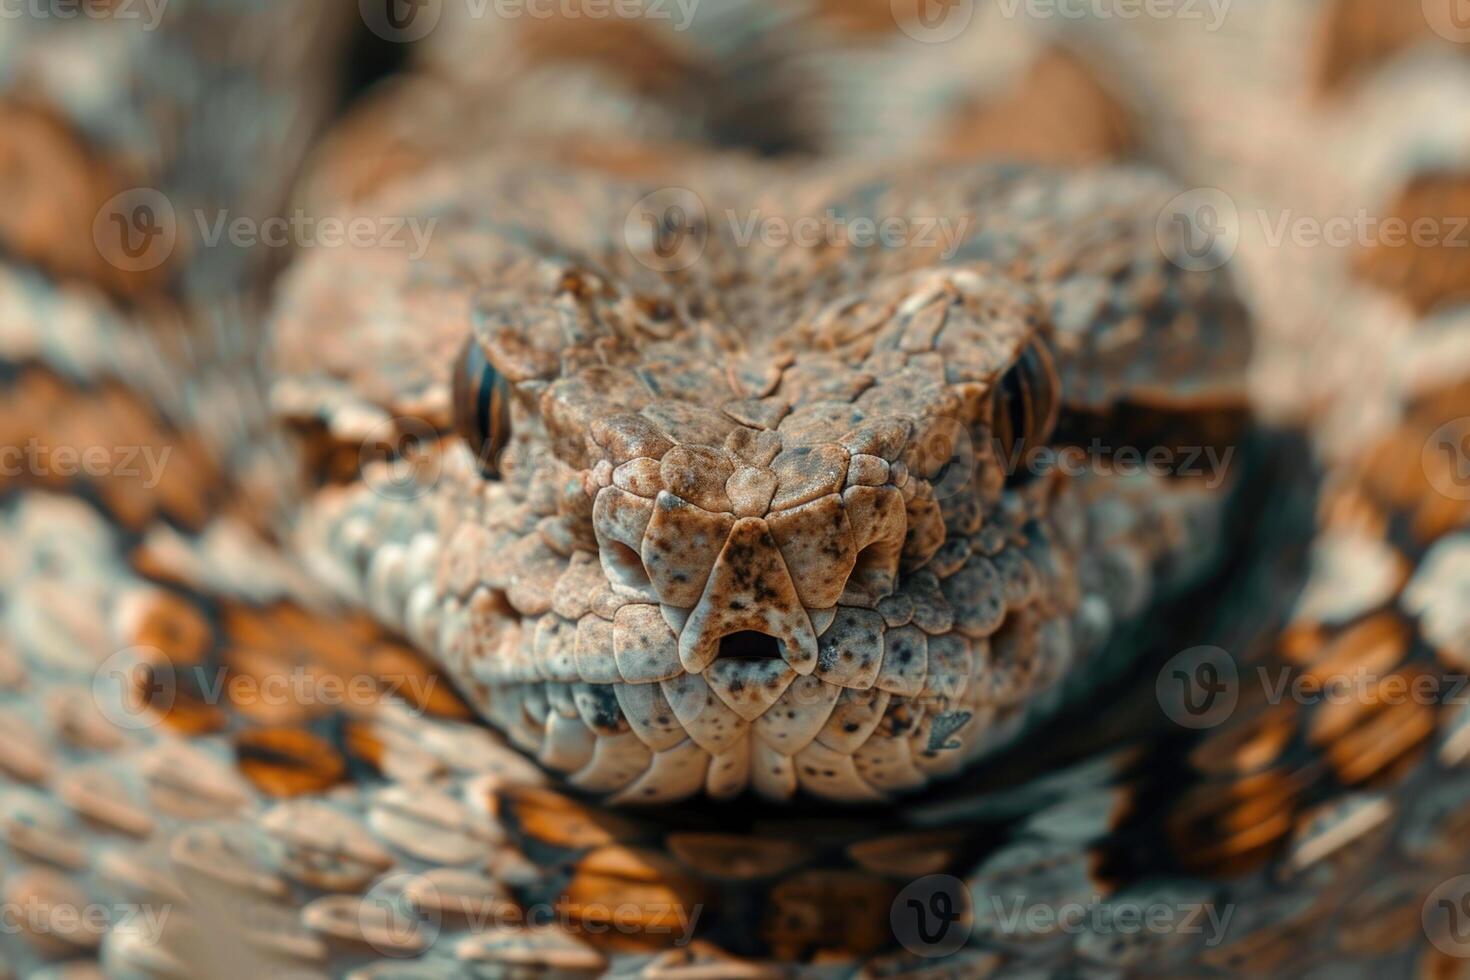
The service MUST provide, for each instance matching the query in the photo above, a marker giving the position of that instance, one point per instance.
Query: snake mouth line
(649, 744)
(925, 708)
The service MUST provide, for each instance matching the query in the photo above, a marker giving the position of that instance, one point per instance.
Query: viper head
(780, 516)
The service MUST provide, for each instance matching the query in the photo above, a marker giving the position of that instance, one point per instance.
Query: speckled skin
(807, 455)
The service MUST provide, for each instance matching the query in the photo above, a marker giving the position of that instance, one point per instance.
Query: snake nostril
(749, 645)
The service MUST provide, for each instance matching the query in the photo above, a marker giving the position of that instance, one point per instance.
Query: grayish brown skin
(789, 442)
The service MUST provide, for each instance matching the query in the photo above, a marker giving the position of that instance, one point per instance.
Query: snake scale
(750, 490)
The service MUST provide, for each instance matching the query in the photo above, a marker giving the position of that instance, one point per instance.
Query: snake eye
(481, 406)
(1024, 409)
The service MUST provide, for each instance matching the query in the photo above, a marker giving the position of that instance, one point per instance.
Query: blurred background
(1323, 145)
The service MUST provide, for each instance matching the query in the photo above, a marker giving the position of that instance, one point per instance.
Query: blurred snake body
(608, 591)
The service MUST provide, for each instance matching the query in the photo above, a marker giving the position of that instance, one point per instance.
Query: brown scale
(183, 637)
(622, 887)
(1231, 827)
(1402, 471)
(1380, 729)
(1237, 823)
(1247, 746)
(46, 416)
(626, 49)
(52, 187)
(1357, 36)
(827, 910)
(288, 762)
(1435, 964)
(867, 17)
(552, 819)
(1390, 739)
(1059, 113)
(280, 669)
(1432, 275)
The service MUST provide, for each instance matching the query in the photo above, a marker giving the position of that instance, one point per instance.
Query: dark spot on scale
(851, 727)
(606, 712)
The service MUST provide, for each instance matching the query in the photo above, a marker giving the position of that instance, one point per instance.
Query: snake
(646, 545)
